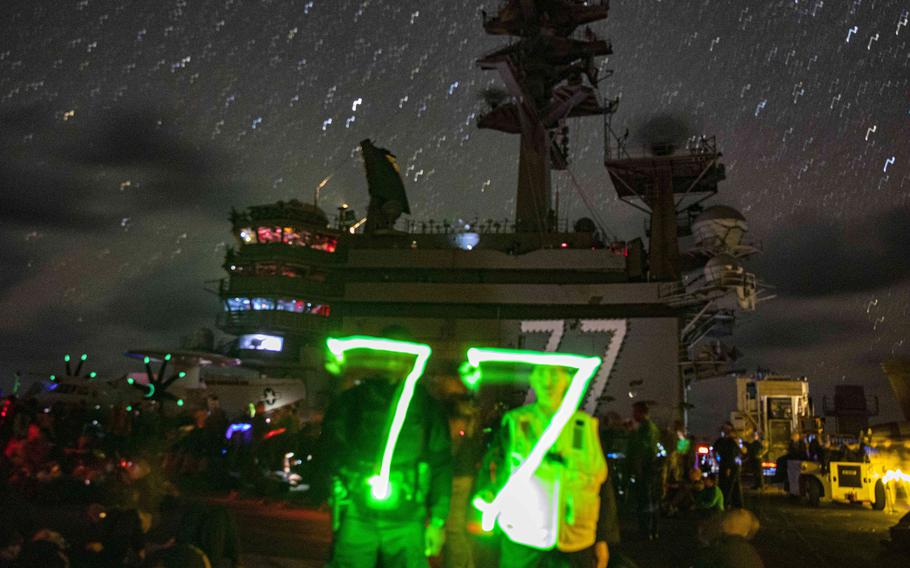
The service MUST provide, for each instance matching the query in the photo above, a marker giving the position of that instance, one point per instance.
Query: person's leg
(647, 498)
(457, 552)
(356, 544)
(653, 508)
(584, 558)
(725, 484)
(737, 489)
(640, 498)
(401, 545)
(758, 477)
(517, 556)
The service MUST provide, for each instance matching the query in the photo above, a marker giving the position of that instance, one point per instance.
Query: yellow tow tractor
(842, 482)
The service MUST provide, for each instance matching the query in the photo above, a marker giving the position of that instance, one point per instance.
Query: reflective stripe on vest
(561, 503)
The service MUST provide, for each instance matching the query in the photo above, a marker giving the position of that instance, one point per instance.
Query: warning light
(272, 433)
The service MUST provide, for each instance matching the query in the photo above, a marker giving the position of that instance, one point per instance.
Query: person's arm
(491, 476)
(332, 446)
(603, 518)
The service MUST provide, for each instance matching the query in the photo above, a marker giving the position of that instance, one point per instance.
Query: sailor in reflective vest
(563, 494)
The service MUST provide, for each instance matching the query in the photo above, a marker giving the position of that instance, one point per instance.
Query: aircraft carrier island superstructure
(656, 314)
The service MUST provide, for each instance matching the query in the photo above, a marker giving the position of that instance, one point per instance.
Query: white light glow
(261, 342)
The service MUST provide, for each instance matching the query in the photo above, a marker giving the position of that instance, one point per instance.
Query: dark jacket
(354, 435)
(643, 449)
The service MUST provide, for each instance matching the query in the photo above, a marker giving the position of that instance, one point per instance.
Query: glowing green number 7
(379, 484)
(585, 368)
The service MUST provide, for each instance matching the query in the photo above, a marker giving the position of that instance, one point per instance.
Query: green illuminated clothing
(564, 493)
(354, 435)
(710, 499)
(365, 542)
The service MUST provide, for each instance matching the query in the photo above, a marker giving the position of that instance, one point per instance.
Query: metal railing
(276, 286)
(273, 320)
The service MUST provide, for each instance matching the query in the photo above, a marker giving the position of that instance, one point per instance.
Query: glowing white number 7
(556, 328)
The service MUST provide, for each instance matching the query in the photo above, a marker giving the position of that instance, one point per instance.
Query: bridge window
(288, 235)
(238, 304)
(268, 234)
(294, 305)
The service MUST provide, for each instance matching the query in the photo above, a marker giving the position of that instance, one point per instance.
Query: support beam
(532, 205)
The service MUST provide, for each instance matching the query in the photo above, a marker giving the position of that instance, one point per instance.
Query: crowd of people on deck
(124, 469)
(130, 481)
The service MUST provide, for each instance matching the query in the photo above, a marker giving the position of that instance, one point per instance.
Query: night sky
(128, 129)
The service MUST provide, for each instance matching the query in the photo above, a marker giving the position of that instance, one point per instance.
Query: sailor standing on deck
(729, 451)
(563, 494)
(402, 530)
(643, 455)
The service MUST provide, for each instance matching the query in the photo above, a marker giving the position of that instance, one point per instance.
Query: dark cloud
(795, 331)
(169, 300)
(661, 131)
(14, 261)
(61, 331)
(811, 256)
(139, 137)
(91, 171)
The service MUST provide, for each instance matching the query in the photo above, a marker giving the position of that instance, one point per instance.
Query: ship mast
(550, 74)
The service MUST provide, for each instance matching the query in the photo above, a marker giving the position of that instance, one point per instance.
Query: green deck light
(129, 408)
(92, 375)
(130, 381)
(585, 369)
(147, 360)
(53, 378)
(84, 356)
(179, 402)
(380, 488)
(66, 358)
(181, 374)
(167, 357)
(151, 392)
